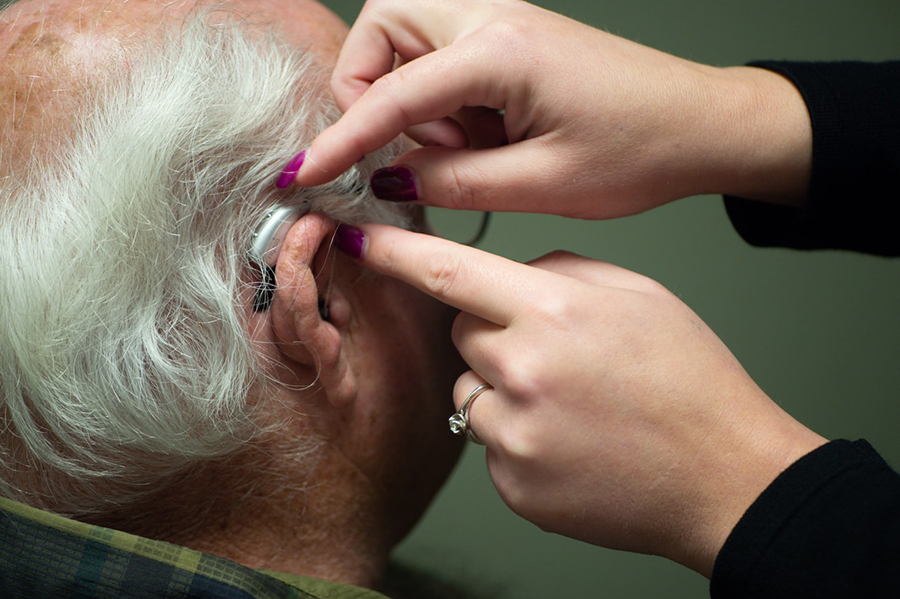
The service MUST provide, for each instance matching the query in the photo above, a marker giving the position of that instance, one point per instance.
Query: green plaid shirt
(43, 555)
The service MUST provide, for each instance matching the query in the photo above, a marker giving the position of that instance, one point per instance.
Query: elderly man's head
(139, 144)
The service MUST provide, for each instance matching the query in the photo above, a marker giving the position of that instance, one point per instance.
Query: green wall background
(818, 331)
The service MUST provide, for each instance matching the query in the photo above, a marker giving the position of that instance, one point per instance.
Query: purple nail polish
(395, 184)
(290, 171)
(350, 240)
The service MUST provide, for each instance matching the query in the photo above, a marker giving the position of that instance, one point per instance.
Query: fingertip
(351, 240)
(374, 245)
(313, 170)
(290, 171)
(310, 173)
(394, 184)
(332, 152)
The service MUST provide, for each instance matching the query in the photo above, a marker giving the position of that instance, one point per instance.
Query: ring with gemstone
(459, 422)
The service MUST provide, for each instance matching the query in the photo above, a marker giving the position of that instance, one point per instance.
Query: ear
(303, 275)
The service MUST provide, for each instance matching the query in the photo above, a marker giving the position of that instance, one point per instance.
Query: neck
(332, 526)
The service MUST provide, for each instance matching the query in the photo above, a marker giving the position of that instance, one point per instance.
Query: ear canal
(265, 291)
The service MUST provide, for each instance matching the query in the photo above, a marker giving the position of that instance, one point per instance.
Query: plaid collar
(45, 555)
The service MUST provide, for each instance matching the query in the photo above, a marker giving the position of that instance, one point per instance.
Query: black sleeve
(828, 526)
(853, 201)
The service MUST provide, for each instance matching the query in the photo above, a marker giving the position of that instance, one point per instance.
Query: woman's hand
(616, 416)
(592, 125)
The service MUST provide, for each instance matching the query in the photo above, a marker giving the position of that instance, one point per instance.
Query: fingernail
(395, 184)
(350, 240)
(290, 171)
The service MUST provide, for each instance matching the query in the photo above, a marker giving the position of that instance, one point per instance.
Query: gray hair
(124, 356)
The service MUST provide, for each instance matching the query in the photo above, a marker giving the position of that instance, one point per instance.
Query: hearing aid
(265, 246)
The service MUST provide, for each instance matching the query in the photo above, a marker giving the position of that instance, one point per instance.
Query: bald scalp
(51, 64)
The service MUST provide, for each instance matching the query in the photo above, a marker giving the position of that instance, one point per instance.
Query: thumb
(522, 177)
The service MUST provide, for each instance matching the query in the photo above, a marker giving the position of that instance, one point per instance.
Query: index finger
(424, 90)
(474, 281)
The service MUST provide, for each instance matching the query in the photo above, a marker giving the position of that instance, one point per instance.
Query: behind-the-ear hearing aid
(265, 246)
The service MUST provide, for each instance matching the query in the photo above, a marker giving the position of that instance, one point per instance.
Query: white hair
(124, 356)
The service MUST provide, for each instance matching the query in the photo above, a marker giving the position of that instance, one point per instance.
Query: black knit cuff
(853, 202)
(828, 526)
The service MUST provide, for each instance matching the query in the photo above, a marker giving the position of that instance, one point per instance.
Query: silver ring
(459, 422)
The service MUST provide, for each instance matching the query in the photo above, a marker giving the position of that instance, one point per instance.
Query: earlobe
(303, 336)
